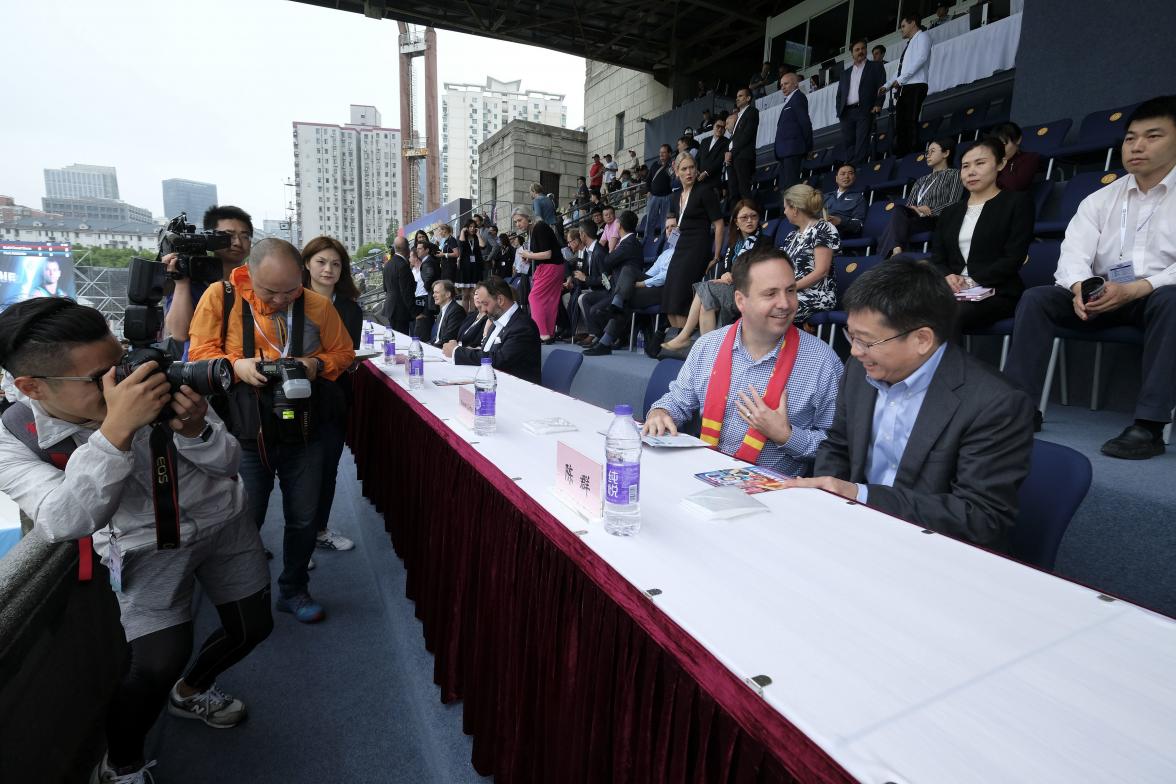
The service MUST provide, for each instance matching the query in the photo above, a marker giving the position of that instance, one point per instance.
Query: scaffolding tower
(420, 156)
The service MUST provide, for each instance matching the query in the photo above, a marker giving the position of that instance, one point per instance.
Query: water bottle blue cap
(487, 360)
(624, 409)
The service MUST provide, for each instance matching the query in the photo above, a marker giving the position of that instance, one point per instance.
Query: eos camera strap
(165, 487)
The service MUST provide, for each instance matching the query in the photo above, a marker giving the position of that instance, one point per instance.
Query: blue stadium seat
(653, 310)
(870, 174)
(882, 144)
(783, 229)
(768, 229)
(1038, 270)
(929, 129)
(966, 121)
(815, 160)
(877, 216)
(1076, 190)
(1045, 139)
(1041, 191)
(909, 169)
(846, 270)
(659, 381)
(1059, 478)
(1101, 130)
(560, 368)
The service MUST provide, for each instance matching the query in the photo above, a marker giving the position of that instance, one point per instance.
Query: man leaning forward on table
(512, 343)
(767, 390)
(923, 431)
(270, 316)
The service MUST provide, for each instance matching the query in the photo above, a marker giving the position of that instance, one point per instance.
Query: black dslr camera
(192, 248)
(142, 324)
(289, 385)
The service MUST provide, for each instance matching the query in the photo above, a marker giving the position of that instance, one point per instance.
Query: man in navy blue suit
(859, 101)
(794, 131)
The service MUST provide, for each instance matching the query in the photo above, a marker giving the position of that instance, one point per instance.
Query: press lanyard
(923, 192)
(682, 204)
(1139, 228)
(282, 352)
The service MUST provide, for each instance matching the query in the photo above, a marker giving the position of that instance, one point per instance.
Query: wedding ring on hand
(185, 419)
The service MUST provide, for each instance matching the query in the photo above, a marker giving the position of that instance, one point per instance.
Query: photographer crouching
(88, 452)
(280, 338)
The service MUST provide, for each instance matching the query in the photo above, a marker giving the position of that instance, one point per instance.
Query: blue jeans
(299, 469)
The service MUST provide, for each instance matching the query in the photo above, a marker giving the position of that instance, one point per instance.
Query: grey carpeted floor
(351, 699)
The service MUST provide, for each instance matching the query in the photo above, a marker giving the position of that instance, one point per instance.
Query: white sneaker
(333, 540)
(104, 774)
(212, 706)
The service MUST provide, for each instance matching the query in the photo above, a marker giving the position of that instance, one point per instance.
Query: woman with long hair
(326, 270)
(541, 249)
(810, 248)
(714, 300)
(470, 263)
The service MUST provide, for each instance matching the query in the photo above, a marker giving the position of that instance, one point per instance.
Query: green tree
(107, 257)
(393, 229)
(367, 248)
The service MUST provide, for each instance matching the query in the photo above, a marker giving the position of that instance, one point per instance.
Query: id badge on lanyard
(282, 352)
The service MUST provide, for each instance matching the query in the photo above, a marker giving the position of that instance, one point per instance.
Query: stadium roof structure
(683, 38)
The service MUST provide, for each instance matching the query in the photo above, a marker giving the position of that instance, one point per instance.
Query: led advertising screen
(35, 269)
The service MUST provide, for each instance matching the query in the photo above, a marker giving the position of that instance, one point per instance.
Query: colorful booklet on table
(750, 480)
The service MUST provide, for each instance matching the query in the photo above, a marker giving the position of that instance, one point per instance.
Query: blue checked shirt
(812, 396)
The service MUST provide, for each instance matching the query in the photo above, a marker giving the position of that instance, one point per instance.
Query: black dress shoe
(653, 345)
(1038, 419)
(598, 350)
(1134, 443)
(548, 342)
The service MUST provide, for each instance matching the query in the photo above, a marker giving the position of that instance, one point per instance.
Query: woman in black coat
(983, 240)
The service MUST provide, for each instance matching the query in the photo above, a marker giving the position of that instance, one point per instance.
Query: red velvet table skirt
(567, 672)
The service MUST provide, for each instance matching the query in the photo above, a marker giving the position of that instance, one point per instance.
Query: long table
(891, 655)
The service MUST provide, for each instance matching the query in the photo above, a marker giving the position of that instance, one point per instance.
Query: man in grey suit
(923, 431)
(859, 102)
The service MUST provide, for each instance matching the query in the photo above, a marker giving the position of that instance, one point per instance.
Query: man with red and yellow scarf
(767, 390)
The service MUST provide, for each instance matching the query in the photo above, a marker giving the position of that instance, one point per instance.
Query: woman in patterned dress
(811, 248)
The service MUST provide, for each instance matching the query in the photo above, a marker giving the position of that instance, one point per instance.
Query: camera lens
(205, 377)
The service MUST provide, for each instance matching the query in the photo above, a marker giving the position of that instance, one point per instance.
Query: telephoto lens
(205, 377)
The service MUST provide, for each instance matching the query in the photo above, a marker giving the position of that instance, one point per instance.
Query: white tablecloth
(954, 61)
(909, 658)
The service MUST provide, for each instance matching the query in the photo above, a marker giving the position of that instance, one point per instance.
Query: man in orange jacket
(270, 317)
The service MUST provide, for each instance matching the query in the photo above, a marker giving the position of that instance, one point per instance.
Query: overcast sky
(154, 89)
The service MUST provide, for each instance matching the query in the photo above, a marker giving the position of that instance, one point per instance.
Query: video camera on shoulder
(142, 326)
(192, 248)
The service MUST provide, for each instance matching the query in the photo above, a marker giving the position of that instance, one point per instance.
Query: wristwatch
(206, 433)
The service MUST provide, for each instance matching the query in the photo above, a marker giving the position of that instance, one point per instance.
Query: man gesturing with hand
(765, 389)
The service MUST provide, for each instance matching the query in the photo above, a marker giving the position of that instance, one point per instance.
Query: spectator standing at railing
(911, 84)
(660, 183)
(794, 131)
(741, 154)
(595, 175)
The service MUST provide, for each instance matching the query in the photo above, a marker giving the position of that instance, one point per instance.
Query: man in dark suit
(587, 279)
(859, 101)
(741, 154)
(623, 266)
(399, 288)
(711, 155)
(424, 309)
(451, 315)
(513, 345)
(923, 431)
(794, 131)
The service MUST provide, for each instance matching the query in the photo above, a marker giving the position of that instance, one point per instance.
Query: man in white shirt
(1124, 237)
(912, 84)
(858, 102)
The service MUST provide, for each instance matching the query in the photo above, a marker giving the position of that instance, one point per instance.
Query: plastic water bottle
(485, 391)
(416, 364)
(622, 474)
(389, 346)
(641, 340)
(369, 335)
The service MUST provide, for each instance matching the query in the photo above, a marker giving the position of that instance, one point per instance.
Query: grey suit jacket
(966, 457)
